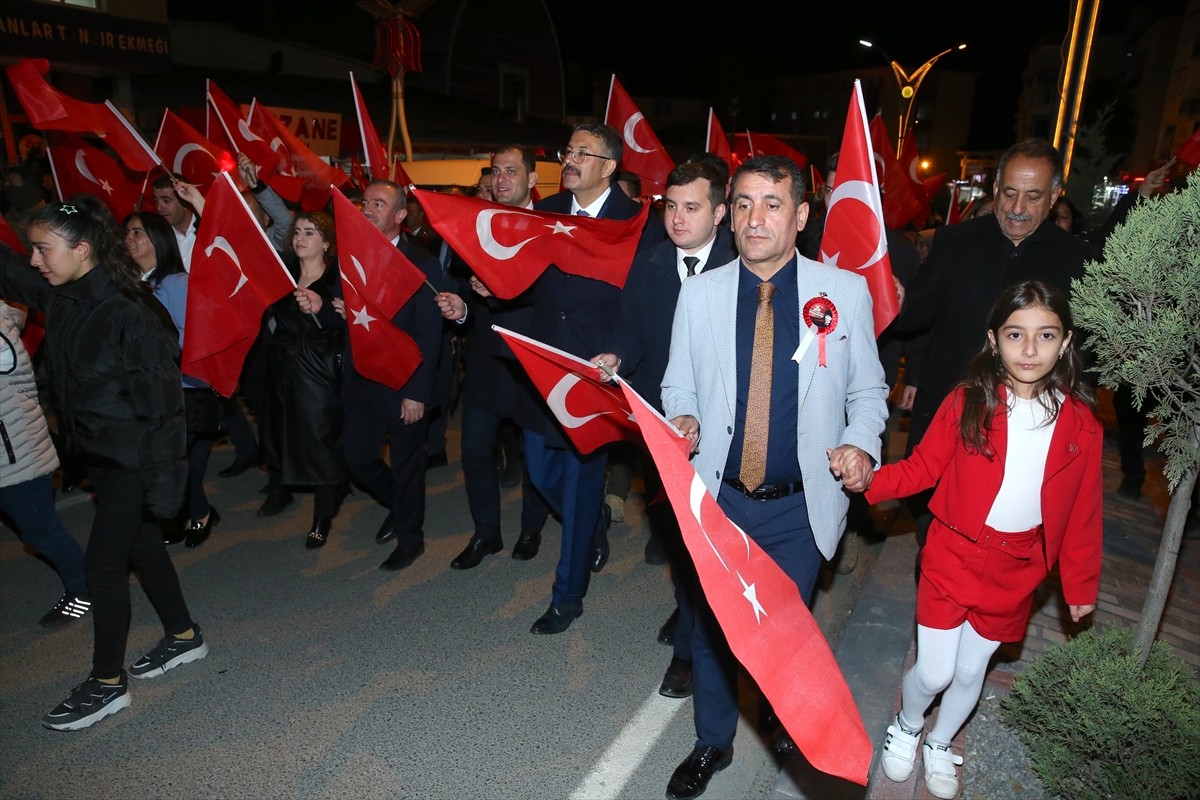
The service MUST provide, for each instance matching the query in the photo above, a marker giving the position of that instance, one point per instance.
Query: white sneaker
(899, 752)
(941, 777)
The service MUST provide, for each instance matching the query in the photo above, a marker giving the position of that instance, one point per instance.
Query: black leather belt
(767, 491)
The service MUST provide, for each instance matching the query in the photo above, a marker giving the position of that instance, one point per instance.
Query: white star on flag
(750, 592)
(361, 317)
(106, 186)
(558, 227)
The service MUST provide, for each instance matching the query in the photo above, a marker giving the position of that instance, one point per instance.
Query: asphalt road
(329, 678)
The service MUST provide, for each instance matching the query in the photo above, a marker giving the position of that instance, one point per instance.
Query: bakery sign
(320, 130)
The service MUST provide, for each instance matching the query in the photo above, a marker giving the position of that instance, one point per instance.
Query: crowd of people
(765, 359)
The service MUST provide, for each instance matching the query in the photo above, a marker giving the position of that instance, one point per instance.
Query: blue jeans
(30, 505)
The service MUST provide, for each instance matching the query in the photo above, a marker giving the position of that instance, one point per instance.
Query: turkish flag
(1190, 152)
(50, 109)
(598, 413)
(186, 152)
(236, 274)
(758, 144)
(319, 177)
(508, 248)
(377, 280)
(760, 610)
(854, 237)
(715, 141)
(901, 205)
(79, 166)
(373, 150)
(818, 183)
(953, 213)
(226, 116)
(644, 154)
(910, 165)
(10, 238)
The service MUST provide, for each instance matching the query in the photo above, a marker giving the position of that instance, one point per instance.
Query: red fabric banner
(854, 237)
(716, 142)
(186, 152)
(508, 248)
(760, 610)
(592, 413)
(78, 166)
(901, 205)
(644, 154)
(235, 276)
(377, 280)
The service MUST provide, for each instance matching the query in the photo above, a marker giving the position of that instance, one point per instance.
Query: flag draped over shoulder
(50, 109)
(644, 154)
(854, 237)
(591, 412)
(508, 248)
(377, 280)
(78, 166)
(235, 276)
(760, 610)
(185, 151)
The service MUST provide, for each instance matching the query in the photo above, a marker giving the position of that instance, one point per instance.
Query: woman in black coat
(112, 355)
(302, 426)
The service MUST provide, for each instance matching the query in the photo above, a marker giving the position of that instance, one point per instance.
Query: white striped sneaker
(941, 777)
(69, 608)
(168, 654)
(899, 752)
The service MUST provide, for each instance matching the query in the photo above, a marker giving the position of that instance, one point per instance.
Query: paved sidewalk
(878, 644)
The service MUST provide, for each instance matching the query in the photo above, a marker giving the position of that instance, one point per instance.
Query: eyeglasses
(578, 155)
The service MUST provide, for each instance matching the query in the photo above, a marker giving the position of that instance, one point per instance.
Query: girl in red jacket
(1015, 454)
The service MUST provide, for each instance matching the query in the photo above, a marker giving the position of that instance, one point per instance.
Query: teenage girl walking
(1015, 455)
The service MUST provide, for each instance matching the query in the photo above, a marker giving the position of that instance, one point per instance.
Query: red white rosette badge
(821, 314)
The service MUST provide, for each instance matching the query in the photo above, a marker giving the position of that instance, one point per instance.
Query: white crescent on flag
(84, 170)
(557, 400)
(863, 192)
(358, 267)
(483, 229)
(220, 243)
(187, 149)
(247, 134)
(630, 124)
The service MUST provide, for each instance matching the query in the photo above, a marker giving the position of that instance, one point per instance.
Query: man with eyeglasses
(575, 314)
(495, 388)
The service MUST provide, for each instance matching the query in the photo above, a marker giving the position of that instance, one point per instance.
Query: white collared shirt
(703, 253)
(592, 210)
(186, 242)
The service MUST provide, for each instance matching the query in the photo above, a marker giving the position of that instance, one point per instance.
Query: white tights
(955, 660)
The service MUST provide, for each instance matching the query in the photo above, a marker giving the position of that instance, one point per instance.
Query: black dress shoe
(692, 776)
(600, 540)
(319, 534)
(677, 682)
(386, 532)
(239, 466)
(198, 533)
(474, 552)
(527, 546)
(666, 634)
(275, 503)
(402, 557)
(556, 619)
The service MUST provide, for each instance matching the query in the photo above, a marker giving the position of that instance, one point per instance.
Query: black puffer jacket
(113, 360)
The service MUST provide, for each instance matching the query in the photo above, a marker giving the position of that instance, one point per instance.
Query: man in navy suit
(575, 314)
(376, 414)
(693, 208)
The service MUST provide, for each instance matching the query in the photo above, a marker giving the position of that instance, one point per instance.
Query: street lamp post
(909, 85)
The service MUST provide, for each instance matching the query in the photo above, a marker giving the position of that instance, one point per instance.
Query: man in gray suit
(826, 410)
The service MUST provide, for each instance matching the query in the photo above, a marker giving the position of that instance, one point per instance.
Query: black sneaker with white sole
(69, 608)
(168, 654)
(88, 703)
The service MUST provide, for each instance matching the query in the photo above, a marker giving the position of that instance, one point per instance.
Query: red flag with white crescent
(765, 620)
(377, 280)
(186, 152)
(508, 248)
(644, 154)
(236, 274)
(78, 166)
(227, 117)
(854, 238)
(716, 142)
(591, 412)
(319, 177)
(901, 205)
(373, 150)
(910, 164)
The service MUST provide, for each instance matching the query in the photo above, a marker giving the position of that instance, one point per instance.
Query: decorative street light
(909, 84)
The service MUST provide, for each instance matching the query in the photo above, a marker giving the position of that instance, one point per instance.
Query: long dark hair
(84, 218)
(167, 260)
(986, 371)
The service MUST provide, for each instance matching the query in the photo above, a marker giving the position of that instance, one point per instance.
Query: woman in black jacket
(112, 355)
(301, 430)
